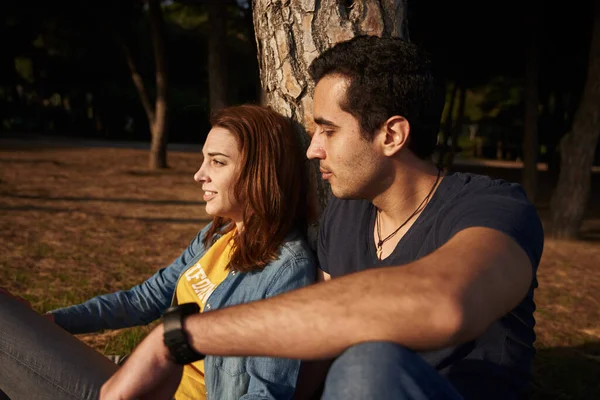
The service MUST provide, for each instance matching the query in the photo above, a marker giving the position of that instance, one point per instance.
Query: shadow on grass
(110, 200)
(567, 373)
(31, 161)
(96, 214)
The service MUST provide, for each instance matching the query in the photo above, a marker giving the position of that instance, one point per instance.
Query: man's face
(347, 160)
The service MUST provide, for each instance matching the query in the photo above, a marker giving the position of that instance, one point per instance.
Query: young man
(429, 279)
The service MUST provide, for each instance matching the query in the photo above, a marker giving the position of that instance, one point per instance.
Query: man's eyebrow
(216, 153)
(323, 121)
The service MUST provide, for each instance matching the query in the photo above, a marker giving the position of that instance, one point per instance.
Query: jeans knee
(376, 352)
(371, 362)
(382, 370)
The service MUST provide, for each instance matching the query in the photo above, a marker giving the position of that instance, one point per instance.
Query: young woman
(255, 186)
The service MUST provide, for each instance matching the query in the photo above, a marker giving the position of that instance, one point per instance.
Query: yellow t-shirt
(196, 285)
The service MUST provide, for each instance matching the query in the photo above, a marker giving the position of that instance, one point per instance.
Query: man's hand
(147, 374)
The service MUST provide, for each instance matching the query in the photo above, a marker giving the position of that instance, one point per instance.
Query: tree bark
(158, 125)
(291, 34)
(447, 131)
(577, 149)
(530, 138)
(217, 62)
(136, 77)
(157, 114)
(458, 125)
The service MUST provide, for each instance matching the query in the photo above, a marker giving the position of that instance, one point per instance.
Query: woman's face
(218, 173)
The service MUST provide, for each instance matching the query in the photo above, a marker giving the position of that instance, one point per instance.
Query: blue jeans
(41, 361)
(382, 370)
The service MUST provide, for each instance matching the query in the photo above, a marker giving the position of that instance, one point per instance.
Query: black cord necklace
(380, 241)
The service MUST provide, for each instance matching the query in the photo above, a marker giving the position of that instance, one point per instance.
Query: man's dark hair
(388, 76)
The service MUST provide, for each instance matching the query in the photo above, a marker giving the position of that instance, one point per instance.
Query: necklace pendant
(379, 252)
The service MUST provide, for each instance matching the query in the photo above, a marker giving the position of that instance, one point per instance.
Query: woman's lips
(209, 195)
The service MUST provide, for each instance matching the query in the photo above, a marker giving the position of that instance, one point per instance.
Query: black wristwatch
(175, 338)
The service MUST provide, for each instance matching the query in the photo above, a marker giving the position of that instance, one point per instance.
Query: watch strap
(175, 338)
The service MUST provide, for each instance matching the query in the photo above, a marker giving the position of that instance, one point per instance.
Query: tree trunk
(530, 139)
(136, 77)
(158, 126)
(577, 149)
(217, 63)
(157, 115)
(447, 131)
(291, 34)
(458, 125)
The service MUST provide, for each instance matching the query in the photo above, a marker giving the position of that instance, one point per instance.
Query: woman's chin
(211, 212)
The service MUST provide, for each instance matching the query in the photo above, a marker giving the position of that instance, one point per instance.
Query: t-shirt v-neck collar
(422, 215)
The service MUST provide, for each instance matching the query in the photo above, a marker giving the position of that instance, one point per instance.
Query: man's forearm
(322, 320)
(446, 298)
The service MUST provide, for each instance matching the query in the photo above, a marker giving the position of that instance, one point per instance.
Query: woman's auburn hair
(272, 185)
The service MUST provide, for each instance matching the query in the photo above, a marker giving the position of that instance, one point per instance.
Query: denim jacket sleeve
(275, 378)
(139, 305)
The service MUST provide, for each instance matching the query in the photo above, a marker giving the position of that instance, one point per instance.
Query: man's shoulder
(461, 186)
(481, 201)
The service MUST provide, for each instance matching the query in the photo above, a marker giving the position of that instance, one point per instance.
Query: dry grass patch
(79, 222)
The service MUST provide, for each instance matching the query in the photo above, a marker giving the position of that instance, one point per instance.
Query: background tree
(530, 141)
(217, 55)
(577, 148)
(157, 113)
(159, 119)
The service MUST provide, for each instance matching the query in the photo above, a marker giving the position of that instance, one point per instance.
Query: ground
(77, 222)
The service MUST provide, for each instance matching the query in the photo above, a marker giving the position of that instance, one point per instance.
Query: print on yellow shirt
(195, 286)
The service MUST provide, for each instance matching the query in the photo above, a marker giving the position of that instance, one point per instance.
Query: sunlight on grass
(109, 225)
(125, 341)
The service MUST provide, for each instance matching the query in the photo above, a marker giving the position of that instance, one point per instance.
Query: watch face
(170, 310)
(175, 337)
(185, 308)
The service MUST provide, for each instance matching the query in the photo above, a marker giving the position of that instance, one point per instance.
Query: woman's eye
(217, 162)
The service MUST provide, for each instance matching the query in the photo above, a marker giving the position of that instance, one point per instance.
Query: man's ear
(395, 132)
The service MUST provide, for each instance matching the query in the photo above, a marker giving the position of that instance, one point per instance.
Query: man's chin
(340, 193)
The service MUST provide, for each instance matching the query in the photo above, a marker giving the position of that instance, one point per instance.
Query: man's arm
(448, 297)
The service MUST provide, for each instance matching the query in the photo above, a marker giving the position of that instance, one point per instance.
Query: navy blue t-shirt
(497, 364)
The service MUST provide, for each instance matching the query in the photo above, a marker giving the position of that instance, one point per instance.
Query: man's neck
(413, 181)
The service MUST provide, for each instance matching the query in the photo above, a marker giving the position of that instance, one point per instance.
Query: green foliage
(24, 68)
(187, 16)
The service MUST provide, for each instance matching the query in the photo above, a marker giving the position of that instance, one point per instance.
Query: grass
(79, 222)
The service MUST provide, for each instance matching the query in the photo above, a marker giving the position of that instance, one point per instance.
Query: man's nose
(315, 150)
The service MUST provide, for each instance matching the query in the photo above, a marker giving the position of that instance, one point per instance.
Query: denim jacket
(226, 377)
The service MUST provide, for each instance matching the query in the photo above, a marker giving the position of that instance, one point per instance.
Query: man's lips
(325, 174)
